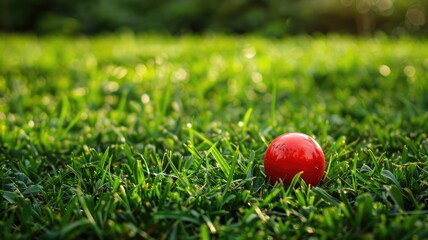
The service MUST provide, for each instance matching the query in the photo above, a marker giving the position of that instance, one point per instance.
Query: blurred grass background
(273, 18)
(162, 137)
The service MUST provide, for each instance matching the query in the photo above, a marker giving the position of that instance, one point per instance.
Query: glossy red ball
(292, 153)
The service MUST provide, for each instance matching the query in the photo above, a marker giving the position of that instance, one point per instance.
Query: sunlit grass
(161, 137)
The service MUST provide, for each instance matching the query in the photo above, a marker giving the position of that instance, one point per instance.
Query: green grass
(159, 137)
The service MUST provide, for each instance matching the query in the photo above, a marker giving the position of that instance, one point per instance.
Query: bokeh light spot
(410, 71)
(145, 98)
(384, 70)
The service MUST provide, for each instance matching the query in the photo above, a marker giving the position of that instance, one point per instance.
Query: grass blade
(388, 174)
(375, 161)
(396, 194)
(325, 196)
(224, 166)
(245, 120)
(232, 170)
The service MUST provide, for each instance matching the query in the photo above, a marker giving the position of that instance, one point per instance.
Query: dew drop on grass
(256, 77)
(84, 116)
(31, 123)
(46, 100)
(176, 106)
(120, 72)
(159, 60)
(11, 117)
(384, 70)
(310, 230)
(145, 98)
(79, 92)
(249, 52)
(189, 125)
(140, 69)
(410, 71)
(111, 86)
(180, 75)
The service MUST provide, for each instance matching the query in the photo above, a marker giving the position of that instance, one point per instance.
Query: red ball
(292, 153)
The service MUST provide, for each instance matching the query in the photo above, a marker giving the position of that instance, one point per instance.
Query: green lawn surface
(157, 137)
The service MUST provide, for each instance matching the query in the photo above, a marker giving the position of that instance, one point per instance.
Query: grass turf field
(152, 136)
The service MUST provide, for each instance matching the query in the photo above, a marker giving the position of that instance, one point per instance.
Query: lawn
(158, 137)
